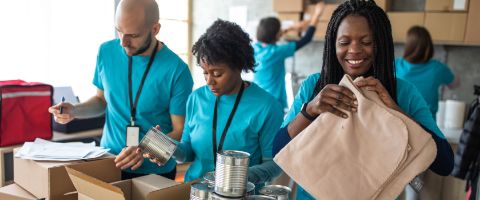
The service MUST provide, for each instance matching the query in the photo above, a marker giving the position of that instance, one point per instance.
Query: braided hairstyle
(225, 43)
(383, 67)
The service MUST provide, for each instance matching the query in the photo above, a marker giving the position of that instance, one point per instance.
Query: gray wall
(464, 60)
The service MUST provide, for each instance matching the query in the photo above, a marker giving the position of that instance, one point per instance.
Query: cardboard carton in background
(150, 187)
(288, 5)
(46, 179)
(446, 5)
(402, 21)
(287, 20)
(472, 34)
(446, 26)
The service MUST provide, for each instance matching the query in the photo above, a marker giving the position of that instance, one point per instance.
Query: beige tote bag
(359, 157)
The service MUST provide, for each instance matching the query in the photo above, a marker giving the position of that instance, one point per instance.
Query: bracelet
(305, 113)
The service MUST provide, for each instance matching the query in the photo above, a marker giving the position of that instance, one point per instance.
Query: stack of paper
(42, 149)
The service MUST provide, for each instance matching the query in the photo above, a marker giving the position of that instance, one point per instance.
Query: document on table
(42, 149)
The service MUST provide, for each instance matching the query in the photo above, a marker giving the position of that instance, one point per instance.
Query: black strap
(229, 121)
(133, 105)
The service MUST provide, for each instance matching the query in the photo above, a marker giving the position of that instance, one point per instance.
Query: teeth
(354, 62)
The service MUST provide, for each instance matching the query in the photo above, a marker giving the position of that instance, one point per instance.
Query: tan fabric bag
(372, 154)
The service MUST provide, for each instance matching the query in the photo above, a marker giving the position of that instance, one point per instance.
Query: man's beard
(145, 45)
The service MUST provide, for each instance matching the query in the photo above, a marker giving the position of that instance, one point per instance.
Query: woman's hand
(373, 84)
(331, 99)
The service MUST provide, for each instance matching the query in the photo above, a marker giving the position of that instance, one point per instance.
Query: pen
(61, 107)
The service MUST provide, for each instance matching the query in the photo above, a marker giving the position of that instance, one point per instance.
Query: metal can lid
(250, 187)
(259, 197)
(275, 190)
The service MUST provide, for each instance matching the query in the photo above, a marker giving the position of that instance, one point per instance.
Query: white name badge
(133, 134)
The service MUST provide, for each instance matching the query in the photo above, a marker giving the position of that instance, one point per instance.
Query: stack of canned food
(229, 181)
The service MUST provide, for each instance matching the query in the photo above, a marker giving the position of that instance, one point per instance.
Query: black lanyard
(229, 121)
(133, 105)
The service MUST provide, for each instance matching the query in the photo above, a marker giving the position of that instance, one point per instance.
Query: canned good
(259, 197)
(231, 173)
(279, 192)
(215, 196)
(250, 188)
(199, 191)
(158, 145)
(209, 178)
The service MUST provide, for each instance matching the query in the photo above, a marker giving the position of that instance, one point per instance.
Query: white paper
(45, 150)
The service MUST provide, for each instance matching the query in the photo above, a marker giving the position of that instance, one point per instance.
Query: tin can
(231, 173)
(199, 191)
(259, 197)
(209, 179)
(158, 144)
(215, 196)
(250, 189)
(279, 192)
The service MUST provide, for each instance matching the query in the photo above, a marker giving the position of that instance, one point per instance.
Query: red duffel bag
(24, 112)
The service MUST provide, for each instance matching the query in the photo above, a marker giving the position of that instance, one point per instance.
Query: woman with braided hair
(358, 42)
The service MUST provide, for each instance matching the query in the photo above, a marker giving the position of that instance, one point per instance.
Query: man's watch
(305, 113)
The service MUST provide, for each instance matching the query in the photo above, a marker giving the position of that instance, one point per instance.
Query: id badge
(133, 134)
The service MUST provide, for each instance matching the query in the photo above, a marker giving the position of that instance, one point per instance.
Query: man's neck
(148, 52)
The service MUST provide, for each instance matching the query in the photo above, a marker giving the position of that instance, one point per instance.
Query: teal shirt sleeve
(184, 151)
(97, 80)
(411, 102)
(267, 170)
(445, 74)
(286, 50)
(182, 88)
(303, 96)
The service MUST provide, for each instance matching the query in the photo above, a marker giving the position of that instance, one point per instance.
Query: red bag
(24, 112)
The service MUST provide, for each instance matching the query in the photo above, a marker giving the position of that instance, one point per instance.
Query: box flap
(178, 192)
(126, 187)
(15, 192)
(92, 187)
(143, 186)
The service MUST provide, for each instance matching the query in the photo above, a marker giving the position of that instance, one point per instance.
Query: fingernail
(355, 102)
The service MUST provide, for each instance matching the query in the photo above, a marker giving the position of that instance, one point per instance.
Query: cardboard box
(326, 14)
(150, 187)
(384, 4)
(287, 20)
(288, 5)
(446, 26)
(402, 21)
(446, 5)
(46, 179)
(320, 31)
(472, 34)
(15, 192)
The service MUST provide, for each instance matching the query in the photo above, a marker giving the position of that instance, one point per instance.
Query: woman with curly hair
(358, 42)
(228, 113)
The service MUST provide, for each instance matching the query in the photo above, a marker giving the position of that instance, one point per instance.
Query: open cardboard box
(15, 192)
(48, 179)
(150, 187)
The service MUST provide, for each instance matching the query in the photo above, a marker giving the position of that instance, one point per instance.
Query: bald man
(140, 83)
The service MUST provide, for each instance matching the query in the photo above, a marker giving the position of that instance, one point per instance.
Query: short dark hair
(268, 29)
(419, 45)
(225, 42)
(383, 67)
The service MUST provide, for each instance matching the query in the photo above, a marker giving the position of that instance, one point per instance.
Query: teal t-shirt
(253, 128)
(164, 93)
(408, 98)
(270, 70)
(427, 77)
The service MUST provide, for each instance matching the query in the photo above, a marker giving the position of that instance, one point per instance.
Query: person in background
(228, 113)
(427, 74)
(140, 82)
(418, 67)
(270, 56)
(358, 42)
